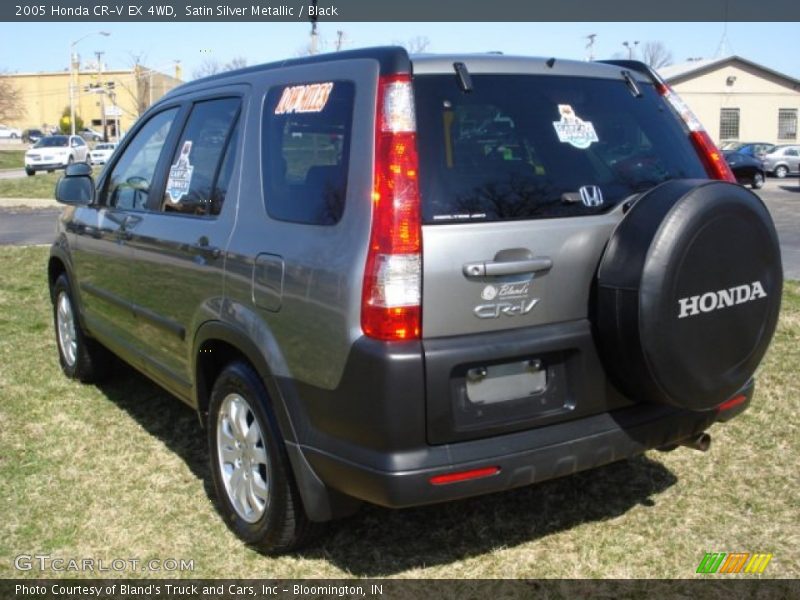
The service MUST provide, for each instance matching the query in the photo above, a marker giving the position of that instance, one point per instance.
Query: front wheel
(781, 172)
(255, 486)
(29, 172)
(758, 181)
(81, 358)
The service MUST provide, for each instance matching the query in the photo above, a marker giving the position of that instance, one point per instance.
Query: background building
(118, 95)
(738, 100)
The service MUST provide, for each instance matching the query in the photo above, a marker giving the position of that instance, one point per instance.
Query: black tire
(283, 526)
(781, 171)
(88, 361)
(758, 181)
(29, 172)
(688, 294)
(70, 160)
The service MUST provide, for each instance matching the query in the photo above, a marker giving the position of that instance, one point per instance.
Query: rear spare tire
(688, 293)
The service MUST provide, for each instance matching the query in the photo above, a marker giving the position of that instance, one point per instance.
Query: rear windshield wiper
(632, 86)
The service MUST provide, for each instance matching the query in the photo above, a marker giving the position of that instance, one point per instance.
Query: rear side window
(198, 159)
(528, 147)
(305, 152)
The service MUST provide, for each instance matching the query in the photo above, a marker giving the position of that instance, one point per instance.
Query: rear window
(527, 147)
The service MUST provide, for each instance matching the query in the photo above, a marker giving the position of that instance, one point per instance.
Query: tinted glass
(526, 147)
(225, 173)
(197, 157)
(52, 142)
(129, 183)
(305, 157)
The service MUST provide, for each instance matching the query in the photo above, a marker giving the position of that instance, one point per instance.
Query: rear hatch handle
(512, 267)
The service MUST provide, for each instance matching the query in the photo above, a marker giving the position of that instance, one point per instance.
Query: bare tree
(138, 86)
(656, 55)
(212, 67)
(414, 45)
(11, 105)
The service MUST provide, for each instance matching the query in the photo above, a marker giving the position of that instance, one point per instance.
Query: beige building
(739, 100)
(120, 96)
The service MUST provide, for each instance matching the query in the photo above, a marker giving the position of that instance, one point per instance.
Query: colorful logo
(734, 562)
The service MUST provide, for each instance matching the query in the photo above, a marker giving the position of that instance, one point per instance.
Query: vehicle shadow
(162, 416)
(378, 542)
(790, 188)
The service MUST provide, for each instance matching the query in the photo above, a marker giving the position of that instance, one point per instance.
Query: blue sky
(31, 47)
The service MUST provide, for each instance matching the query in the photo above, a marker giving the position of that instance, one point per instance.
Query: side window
(305, 152)
(195, 167)
(129, 182)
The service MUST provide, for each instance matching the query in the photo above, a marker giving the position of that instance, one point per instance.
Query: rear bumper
(522, 458)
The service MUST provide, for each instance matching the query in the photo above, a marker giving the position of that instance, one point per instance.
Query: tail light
(391, 303)
(713, 161)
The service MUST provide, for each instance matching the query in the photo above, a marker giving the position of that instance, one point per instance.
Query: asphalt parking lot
(25, 226)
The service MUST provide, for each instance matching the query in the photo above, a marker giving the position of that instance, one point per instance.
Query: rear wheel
(781, 171)
(80, 357)
(256, 491)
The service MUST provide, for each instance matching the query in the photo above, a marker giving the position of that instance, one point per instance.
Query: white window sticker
(304, 98)
(180, 175)
(573, 130)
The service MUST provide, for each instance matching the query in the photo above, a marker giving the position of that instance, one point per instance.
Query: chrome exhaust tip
(701, 442)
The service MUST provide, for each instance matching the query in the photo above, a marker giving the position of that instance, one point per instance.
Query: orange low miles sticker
(304, 98)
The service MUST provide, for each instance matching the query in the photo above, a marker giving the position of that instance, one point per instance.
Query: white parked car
(55, 152)
(10, 133)
(101, 153)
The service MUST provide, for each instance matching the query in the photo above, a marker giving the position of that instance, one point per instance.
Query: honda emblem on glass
(591, 195)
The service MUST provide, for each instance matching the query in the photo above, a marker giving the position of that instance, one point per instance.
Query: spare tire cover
(688, 293)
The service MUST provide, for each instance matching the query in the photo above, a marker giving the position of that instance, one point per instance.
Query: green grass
(12, 159)
(120, 470)
(42, 185)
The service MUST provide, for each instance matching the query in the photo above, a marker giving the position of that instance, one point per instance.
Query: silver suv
(409, 280)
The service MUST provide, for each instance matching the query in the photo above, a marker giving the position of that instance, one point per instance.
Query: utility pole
(102, 92)
(339, 40)
(314, 36)
(590, 45)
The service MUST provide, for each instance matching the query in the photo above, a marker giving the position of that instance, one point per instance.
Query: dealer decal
(304, 98)
(180, 175)
(573, 130)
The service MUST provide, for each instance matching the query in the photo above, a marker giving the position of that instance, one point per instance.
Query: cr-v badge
(512, 300)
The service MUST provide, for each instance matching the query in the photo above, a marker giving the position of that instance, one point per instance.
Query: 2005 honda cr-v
(408, 280)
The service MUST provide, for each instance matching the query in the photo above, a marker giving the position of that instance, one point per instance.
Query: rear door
(522, 180)
(178, 246)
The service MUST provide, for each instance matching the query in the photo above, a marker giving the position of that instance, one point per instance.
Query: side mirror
(76, 186)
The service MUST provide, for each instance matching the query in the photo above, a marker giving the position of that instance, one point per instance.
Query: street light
(72, 75)
(630, 47)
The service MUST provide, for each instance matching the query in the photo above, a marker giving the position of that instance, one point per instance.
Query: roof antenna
(550, 62)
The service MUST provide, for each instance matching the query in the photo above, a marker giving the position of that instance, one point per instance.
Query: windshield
(52, 142)
(524, 147)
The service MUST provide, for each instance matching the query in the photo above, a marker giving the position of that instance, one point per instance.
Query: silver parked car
(782, 161)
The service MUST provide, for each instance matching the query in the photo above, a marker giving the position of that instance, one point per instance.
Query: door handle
(202, 247)
(513, 267)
